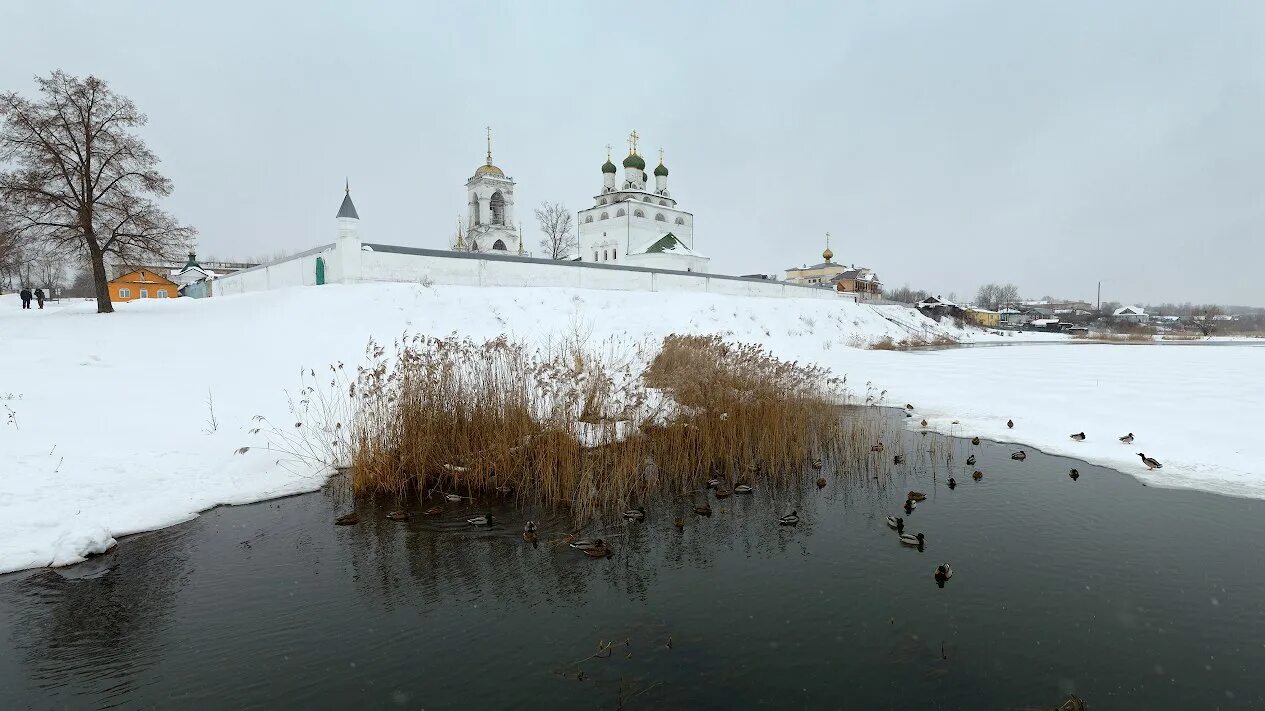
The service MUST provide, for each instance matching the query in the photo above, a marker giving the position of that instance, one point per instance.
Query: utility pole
(1100, 297)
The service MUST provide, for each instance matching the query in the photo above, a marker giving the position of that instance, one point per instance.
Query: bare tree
(1007, 294)
(13, 253)
(80, 181)
(555, 222)
(994, 296)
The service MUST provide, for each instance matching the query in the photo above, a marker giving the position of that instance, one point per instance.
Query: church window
(474, 209)
(604, 216)
(680, 220)
(620, 212)
(646, 199)
(499, 245)
(589, 218)
(605, 254)
(601, 201)
(660, 218)
(497, 206)
(614, 254)
(638, 213)
(663, 202)
(595, 255)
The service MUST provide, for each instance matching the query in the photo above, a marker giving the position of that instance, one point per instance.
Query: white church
(632, 225)
(489, 222)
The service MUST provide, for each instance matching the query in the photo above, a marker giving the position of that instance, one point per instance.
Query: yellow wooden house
(142, 284)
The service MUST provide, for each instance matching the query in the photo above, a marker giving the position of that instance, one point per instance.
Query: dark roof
(348, 209)
(665, 242)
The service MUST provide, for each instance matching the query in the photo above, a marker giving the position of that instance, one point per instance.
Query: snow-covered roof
(979, 310)
(932, 301)
(1010, 311)
(1044, 321)
(1128, 311)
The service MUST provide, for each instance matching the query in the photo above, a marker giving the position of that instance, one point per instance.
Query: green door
(320, 271)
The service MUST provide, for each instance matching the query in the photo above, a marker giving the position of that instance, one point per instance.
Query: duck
(397, 515)
(910, 506)
(977, 475)
(723, 492)
(1127, 439)
(703, 509)
(898, 459)
(816, 463)
(952, 483)
(743, 489)
(1010, 424)
(453, 497)
(944, 571)
(1150, 462)
(679, 522)
(434, 510)
(908, 406)
(598, 551)
(789, 519)
(896, 522)
(924, 422)
(909, 414)
(970, 461)
(876, 447)
(975, 441)
(821, 482)
(480, 520)
(637, 514)
(1019, 456)
(350, 519)
(911, 539)
(530, 537)
(1074, 474)
(584, 544)
(1079, 436)
(529, 527)
(917, 496)
(713, 482)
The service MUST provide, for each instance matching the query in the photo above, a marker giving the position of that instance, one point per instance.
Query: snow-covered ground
(106, 423)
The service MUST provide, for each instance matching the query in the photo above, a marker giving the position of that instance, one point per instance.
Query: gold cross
(489, 128)
(632, 142)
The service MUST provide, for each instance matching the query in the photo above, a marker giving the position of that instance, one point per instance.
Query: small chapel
(489, 221)
(632, 224)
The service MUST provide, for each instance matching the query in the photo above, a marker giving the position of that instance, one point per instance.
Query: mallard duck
(910, 506)
(944, 571)
(703, 509)
(1010, 424)
(679, 522)
(876, 447)
(453, 497)
(434, 510)
(743, 489)
(1079, 436)
(723, 492)
(977, 475)
(584, 544)
(970, 461)
(637, 514)
(952, 483)
(713, 482)
(481, 520)
(817, 463)
(898, 459)
(789, 519)
(1074, 474)
(1127, 439)
(1019, 456)
(821, 482)
(350, 519)
(1150, 462)
(598, 551)
(911, 539)
(530, 537)
(975, 441)
(529, 527)
(916, 496)
(924, 422)
(397, 515)
(896, 522)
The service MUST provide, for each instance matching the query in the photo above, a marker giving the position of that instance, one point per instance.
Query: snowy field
(119, 424)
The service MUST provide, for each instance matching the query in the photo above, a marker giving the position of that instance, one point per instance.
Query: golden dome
(489, 169)
(827, 255)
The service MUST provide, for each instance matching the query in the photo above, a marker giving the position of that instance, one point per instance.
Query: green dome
(634, 161)
(661, 170)
(608, 166)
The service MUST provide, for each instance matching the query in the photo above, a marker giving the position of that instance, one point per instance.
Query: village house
(142, 284)
(859, 280)
(1130, 314)
(983, 317)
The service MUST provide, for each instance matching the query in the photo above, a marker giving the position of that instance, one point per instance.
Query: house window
(144, 293)
(125, 293)
(162, 293)
(638, 213)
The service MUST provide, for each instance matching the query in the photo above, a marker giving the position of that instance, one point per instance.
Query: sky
(943, 144)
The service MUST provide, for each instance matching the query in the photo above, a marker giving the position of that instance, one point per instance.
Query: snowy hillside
(129, 422)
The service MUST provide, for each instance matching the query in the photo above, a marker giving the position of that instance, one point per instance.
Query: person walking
(39, 297)
(26, 297)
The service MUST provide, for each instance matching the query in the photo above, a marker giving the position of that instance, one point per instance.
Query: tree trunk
(99, 278)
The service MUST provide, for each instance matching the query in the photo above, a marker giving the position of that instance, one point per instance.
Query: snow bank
(129, 422)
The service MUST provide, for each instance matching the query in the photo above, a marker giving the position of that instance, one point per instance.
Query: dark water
(1129, 596)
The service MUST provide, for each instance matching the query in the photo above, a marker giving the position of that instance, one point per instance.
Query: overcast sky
(941, 144)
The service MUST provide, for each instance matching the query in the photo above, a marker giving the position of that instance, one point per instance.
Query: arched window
(646, 199)
(614, 254)
(638, 213)
(620, 212)
(498, 245)
(663, 202)
(604, 255)
(601, 201)
(604, 216)
(588, 218)
(660, 218)
(497, 206)
(474, 210)
(680, 220)
(595, 255)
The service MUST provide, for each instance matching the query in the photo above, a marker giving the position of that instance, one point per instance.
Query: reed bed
(595, 431)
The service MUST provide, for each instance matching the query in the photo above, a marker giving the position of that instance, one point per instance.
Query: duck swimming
(821, 482)
(397, 515)
(713, 482)
(909, 406)
(924, 422)
(916, 496)
(789, 519)
(637, 514)
(585, 544)
(1019, 456)
(1010, 424)
(723, 492)
(910, 539)
(350, 519)
(1079, 436)
(1150, 462)
(977, 475)
(817, 463)
(898, 459)
(529, 527)
(704, 509)
(483, 520)
(896, 522)
(975, 441)
(952, 483)
(1127, 439)
(743, 489)
(910, 506)
(944, 570)
(434, 510)
(970, 461)
(598, 551)
(452, 497)
(1074, 474)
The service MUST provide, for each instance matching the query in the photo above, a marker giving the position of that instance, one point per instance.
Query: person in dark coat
(39, 297)
(26, 298)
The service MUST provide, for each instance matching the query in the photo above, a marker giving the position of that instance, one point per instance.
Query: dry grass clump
(886, 343)
(1130, 337)
(561, 425)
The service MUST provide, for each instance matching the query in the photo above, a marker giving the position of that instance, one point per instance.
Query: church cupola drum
(489, 210)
